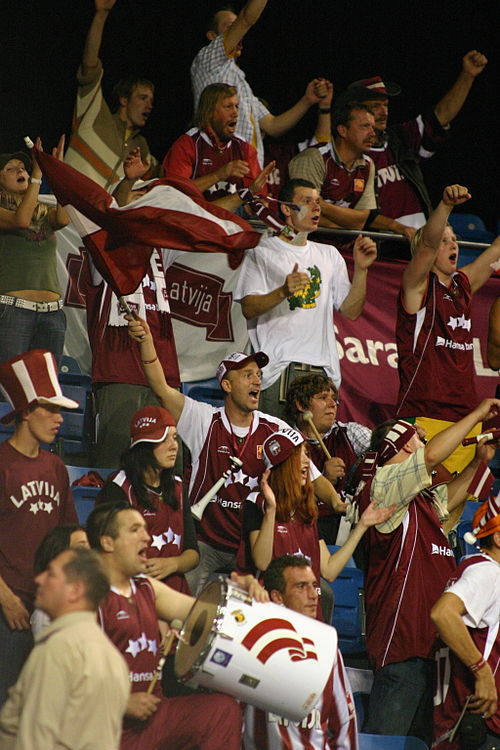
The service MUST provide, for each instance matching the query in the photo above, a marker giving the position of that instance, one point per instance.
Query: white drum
(262, 654)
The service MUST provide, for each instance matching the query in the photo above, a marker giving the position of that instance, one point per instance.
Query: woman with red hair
(281, 518)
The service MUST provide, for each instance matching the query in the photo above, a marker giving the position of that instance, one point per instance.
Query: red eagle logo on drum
(275, 634)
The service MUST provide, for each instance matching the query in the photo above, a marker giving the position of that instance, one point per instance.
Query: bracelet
(324, 110)
(149, 361)
(35, 181)
(371, 217)
(477, 665)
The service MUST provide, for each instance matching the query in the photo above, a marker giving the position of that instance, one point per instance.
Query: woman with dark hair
(148, 483)
(281, 518)
(54, 542)
(31, 313)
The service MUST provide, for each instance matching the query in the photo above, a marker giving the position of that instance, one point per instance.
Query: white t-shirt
(299, 329)
(479, 589)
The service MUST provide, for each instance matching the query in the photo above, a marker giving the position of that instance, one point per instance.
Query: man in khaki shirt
(74, 687)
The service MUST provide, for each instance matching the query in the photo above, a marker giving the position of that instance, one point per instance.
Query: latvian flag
(172, 214)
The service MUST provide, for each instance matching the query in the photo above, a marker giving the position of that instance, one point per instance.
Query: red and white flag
(172, 214)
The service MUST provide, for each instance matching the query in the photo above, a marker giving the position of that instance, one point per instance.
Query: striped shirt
(212, 64)
(100, 141)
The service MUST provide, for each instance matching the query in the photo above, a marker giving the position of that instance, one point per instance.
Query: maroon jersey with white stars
(34, 498)
(194, 155)
(211, 440)
(436, 354)
(166, 525)
(131, 623)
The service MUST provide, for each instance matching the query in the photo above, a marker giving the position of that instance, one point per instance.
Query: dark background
(419, 44)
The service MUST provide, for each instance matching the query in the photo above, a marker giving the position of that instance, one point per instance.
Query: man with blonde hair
(211, 154)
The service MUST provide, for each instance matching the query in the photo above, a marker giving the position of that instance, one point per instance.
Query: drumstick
(493, 434)
(307, 415)
(175, 626)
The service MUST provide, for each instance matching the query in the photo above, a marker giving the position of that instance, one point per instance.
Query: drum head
(198, 630)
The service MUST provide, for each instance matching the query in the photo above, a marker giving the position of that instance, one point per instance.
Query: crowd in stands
(260, 488)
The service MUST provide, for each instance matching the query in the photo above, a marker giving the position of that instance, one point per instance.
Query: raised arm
(333, 564)
(446, 615)
(323, 132)
(417, 271)
(364, 253)
(276, 125)
(170, 398)
(247, 17)
(262, 540)
(22, 216)
(458, 487)
(134, 169)
(90, 58)
(452, 102)
(479, 271)
(494, 336)
(445, 442)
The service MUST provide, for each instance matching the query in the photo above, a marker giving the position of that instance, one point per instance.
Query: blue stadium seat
(5, 430)
(208, 391)
(349, 610)
(75, 435)
(84, 497)
(470, 227)
(389, 742)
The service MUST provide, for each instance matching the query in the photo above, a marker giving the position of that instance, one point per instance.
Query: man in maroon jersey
(34, 496)
(291, 582)
(468, 665)
(212, 155)
(213, 436)
(345, 441)
(398, 149)
(343, 173)
(409, 563)
(433, 332)
(129, 616)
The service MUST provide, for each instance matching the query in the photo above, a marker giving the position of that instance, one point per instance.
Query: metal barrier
(324, 234)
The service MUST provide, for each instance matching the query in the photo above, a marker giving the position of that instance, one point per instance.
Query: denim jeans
(15, 646)
(211, 559)
(401, 700)
(22, 330)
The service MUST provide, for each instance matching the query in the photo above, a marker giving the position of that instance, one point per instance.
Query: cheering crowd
(260, 488)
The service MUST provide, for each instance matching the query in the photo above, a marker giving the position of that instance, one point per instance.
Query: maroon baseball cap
(376, 85)
(150, 425)
(237, 360)
(280, 445)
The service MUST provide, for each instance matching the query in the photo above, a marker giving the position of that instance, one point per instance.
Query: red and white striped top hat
(31, 378)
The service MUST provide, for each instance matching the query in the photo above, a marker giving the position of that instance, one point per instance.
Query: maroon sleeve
(180, 158)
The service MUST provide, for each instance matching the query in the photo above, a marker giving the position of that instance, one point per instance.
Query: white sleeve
(341, 284)
(252, 278)
(194, 424)
(481, 597)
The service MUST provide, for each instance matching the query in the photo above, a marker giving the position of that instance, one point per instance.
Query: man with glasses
(288, 288)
